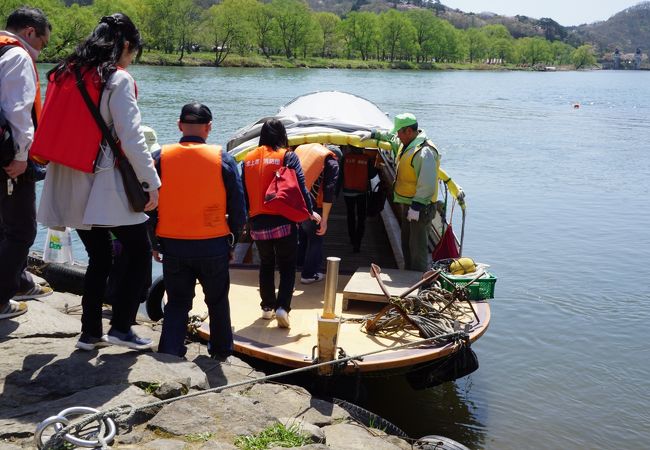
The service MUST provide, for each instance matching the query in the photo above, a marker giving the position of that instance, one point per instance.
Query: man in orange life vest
(201, 211)
(321, 168)
(357, 169)
(27, 33)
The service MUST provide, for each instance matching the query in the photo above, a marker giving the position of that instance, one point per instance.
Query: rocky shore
(41, 374)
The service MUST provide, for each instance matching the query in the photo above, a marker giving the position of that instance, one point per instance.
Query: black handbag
(135, 193)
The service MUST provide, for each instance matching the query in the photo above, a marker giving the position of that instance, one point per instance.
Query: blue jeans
(310, 249)
(180, 275)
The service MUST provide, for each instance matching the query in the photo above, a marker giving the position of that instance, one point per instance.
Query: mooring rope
(125, 412)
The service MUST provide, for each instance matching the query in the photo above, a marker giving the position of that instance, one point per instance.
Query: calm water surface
(558, 205)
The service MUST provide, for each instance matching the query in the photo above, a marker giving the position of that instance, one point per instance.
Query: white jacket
(81, 200)
(17, 92)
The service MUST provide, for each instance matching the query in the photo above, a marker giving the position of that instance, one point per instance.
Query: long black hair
(274, 134)
(103, 48)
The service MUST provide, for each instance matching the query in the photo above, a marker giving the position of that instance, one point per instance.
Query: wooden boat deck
(292, 347)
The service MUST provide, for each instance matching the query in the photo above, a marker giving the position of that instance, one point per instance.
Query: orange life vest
(260, 166)
(355, 172)
(192, 202)
(312, 160)
(36, 109)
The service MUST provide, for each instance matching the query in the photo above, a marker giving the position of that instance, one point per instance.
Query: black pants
(136, 250)
(180, 275)
(283, 252)
(356, 207)
(17, 233)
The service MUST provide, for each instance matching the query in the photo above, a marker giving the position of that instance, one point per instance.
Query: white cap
(150, 138)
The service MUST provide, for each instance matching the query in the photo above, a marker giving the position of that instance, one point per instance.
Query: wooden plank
(363, 287)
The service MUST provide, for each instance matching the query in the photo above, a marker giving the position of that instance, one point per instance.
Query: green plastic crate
(481, 289)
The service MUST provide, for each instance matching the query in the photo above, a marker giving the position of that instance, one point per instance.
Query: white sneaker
(267, 314)
(283, 318)
(317, 277)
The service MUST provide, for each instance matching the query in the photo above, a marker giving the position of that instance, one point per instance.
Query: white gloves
(412, 215)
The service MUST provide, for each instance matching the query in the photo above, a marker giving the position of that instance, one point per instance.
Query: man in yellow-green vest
(416, 186)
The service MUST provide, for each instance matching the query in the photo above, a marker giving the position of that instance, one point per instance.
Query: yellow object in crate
(462, 266)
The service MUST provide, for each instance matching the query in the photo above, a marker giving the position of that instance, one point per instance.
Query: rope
(423, 310)
(125, 412)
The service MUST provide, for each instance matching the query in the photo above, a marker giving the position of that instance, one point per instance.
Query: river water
(557, 205)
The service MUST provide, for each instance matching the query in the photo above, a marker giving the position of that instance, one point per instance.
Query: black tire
(369, 418)
(434, 442)
(155, 299)
(64, 277)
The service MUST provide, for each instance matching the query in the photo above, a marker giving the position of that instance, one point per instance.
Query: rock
(165, 444)
(223, 415)
(8, 446)
(292, 401)
(35, 368)
(21, 422)
(170, 390)
(40, 320)
(345, 436)
(221, 374)
(315, 433)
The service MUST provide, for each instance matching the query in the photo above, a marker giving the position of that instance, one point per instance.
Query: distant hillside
(626, 30)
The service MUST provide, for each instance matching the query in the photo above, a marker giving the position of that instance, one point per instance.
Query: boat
(330, 320)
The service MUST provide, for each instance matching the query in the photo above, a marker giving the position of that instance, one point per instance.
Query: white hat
(150, 138)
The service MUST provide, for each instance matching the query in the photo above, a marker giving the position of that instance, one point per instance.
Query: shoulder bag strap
(94, 110)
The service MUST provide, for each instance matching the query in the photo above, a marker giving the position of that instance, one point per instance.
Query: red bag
(447, 247)
(67, 133)
(284, 197)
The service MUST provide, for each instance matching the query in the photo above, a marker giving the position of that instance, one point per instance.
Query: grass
(198, 437)
(276, 435)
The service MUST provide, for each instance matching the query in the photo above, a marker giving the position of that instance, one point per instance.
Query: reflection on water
(557, 204)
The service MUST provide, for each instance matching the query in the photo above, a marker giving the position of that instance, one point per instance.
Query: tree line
(290, 29)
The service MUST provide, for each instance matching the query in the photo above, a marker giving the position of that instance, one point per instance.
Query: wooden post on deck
(328, 323)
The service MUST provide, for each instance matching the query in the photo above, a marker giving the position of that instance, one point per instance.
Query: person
(321, 168)
(416, 186)
(275, 236)
(95, 203)
(357, 169)
(27, 34)
(196, 233)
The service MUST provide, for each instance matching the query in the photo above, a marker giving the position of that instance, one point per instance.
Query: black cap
(195, 113)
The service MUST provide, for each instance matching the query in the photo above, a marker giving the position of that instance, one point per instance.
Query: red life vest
(37, 108)
(312, 160)
(355, 172)
(192, 203)
(68, 133)
(260, 166)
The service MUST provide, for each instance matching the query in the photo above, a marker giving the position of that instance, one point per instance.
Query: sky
(565, 12)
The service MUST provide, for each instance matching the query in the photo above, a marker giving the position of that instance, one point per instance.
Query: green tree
(69, 27)
(360, 30)
(477, 44)
(424, 23)
(500, 44)
(187, 19)
(227, 26)
(562, 53)
(397, 32)
(264, 27)
(292, 17)
(329, 24)
(583, 57)
(534, 50)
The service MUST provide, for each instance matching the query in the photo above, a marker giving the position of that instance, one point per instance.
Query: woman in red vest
(276, 236)
(94, 202)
